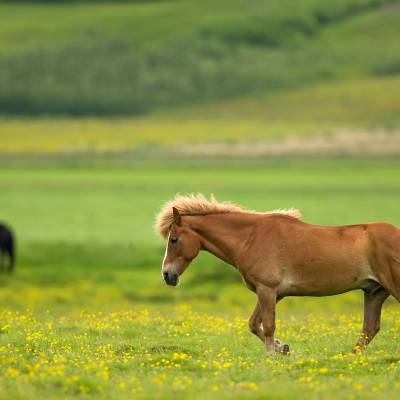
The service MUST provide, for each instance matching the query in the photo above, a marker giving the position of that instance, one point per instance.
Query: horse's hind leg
(372, 317)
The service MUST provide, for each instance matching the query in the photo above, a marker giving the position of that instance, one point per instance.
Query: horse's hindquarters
(385, 256)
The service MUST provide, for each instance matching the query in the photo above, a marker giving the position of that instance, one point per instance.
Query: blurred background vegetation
(107, 109)
(130, 58)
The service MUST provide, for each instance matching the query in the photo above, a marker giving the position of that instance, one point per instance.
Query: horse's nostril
(165, 274)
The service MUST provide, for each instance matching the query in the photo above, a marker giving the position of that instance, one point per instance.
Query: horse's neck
(223, 234)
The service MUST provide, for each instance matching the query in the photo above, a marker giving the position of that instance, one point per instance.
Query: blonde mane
(197, 204)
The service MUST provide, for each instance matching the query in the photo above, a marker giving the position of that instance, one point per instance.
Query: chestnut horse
(279, 255)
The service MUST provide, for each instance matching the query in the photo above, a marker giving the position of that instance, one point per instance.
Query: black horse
(7, 248)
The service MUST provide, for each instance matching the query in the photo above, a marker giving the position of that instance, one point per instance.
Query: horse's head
(183, 245)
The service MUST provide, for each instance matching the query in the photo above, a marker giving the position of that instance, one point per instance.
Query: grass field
(86, 313)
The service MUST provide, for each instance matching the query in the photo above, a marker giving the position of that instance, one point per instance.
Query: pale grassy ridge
(366, 104)
(94, 135)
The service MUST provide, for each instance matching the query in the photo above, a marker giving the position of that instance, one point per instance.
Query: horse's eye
(174, 240)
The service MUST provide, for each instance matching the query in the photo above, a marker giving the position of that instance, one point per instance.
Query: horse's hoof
(285, 349)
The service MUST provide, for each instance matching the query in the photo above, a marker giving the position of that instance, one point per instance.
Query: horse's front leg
(255, 323)
(267, 298)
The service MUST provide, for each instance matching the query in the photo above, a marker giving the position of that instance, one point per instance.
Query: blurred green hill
(134, 57)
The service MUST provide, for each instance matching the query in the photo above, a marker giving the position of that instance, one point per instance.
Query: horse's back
(361, 241)
(317, 247)
(302, 233)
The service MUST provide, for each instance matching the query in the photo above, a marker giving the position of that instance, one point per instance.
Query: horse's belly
(319, 289)
(314, 281)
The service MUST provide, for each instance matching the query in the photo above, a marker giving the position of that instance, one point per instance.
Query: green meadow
(87, 314)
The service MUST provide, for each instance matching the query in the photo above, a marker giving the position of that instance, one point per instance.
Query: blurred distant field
(107, 77)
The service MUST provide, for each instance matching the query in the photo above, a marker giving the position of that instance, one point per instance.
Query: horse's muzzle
(171, 278)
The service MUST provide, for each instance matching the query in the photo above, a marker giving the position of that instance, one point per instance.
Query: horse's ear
(177, 216)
